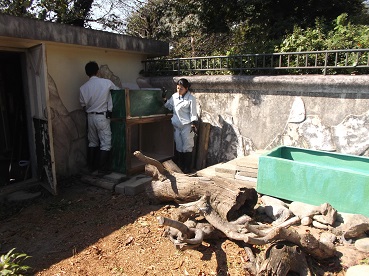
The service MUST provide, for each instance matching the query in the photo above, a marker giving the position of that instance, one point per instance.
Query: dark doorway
(14, 140)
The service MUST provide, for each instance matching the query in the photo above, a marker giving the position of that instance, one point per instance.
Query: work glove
(194, 127)
(164, 93)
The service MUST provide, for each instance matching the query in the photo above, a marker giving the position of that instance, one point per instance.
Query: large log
(224, 203)
(231, 198)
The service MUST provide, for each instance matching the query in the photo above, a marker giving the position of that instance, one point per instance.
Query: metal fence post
(178, 67)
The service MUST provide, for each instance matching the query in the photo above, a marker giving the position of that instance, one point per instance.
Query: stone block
(98, 181)
(248, 172)
(115, 177)
(133, 186)
(240, 176)
(226, 168)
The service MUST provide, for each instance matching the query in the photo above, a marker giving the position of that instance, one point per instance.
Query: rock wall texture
(250, 113)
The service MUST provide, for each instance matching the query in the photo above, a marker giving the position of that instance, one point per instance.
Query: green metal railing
(347, 61)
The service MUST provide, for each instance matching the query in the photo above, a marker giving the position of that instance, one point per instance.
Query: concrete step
(98, 182)
(134, 185)
(241, 168)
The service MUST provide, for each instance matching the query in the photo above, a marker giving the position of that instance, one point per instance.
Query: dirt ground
(87, 230)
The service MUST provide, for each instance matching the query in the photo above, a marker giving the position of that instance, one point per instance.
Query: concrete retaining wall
(261, 112)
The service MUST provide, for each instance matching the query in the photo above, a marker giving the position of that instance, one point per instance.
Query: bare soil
(87, 230)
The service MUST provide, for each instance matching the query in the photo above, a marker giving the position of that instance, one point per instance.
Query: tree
(177, 22)
(196, 27)
(205, 27)
(343, 35)
(108, 14)
(265, 23)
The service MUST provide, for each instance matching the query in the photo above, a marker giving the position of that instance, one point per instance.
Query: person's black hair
(91, 68)
(184, 82)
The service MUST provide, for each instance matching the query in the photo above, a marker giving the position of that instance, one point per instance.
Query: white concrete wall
(261, 112)
(66, 67)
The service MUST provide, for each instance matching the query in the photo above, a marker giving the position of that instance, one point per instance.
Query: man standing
(95, 98)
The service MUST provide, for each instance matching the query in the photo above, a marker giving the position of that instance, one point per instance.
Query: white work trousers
(183, 138)
(99, 132)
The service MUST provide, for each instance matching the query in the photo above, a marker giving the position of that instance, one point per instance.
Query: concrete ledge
(34, 29)
(330, 84)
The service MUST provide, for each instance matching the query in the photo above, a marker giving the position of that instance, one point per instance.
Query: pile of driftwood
(228, 210)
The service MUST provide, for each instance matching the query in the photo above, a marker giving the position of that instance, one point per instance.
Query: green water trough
(316, 177)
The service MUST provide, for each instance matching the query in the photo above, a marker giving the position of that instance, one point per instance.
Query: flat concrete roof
(37, 30)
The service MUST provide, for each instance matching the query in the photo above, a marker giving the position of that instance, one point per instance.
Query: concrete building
(43, 128)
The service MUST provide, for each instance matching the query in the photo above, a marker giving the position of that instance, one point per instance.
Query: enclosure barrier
(349, 61)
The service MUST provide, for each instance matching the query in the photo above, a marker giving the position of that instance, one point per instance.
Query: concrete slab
(246, 178)
(98, 181)
(249, 172)
(250, 161)
(242, 168)
(208, 172)
(224, 175)
(227, 168)
(134, 185)
(115, 177)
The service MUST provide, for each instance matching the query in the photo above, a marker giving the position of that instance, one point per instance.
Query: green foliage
(341, 35)
(311, 39)
(73, 12)
(215, 27)
(344, 35)
(11, 263)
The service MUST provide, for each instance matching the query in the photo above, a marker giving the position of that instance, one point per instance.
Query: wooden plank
(249, 172)
(202, 145)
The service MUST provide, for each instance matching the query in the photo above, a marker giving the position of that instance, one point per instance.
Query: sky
(122, 8)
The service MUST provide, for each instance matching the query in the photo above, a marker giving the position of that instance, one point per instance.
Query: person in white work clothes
(184, 121)
(95, 98)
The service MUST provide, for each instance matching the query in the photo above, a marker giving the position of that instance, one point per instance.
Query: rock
(362, 245)
(276, 209)
(327, 238)
(268, 200)
(260, 209)
(306, 221)
(278, 213)
(320, 218)
(297, 113)
(324, 213)
(319, 225)
(354, 226)
(304, 210)
(329, 213)
(358, 270)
